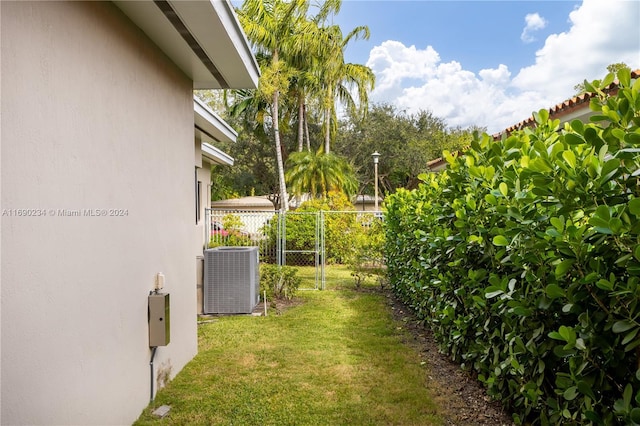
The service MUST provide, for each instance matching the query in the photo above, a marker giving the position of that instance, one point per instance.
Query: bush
(366, 257)
(524, 258)
(280, 282)
(231, 233)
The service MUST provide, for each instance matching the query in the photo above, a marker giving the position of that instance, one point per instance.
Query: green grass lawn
(334, 359)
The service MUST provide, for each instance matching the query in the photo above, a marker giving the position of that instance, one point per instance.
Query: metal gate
(318, 235)
(268, 231)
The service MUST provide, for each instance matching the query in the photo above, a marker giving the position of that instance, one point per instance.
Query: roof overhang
(209, 129)
(203, 38)
(216, 156)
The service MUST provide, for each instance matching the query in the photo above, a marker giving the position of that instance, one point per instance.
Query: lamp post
(375, 156)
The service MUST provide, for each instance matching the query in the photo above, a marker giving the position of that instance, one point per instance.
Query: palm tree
(307, 65)
(271, 26)
(339, 78)
(317, 173)
(251, 111)
(303, 85)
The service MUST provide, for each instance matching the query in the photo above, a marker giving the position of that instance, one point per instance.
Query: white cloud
(393, 62)
(534, 22)
(601, 33)
(415, 79)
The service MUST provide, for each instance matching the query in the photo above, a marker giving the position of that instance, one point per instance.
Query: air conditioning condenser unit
(231, 280)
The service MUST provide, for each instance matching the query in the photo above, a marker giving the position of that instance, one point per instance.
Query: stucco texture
(94, 118)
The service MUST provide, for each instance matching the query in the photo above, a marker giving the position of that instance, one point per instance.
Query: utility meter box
(159, 324)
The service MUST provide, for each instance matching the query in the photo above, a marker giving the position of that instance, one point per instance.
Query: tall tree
(305, 82)
(406, 143)
(249, 111)
(339, 79)
(271, 26)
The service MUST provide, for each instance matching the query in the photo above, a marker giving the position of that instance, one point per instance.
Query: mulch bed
(463, 397)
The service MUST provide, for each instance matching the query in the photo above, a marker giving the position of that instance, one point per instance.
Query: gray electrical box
(159, 324)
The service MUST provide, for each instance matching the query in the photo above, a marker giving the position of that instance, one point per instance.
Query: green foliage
(612, 69)
(303, 227)
(317, 173)
(406, 143)
(524, 257)
(366, 258)
(221, 184)
(231, 240)
(232, 223)
(254, 170)
(340, 228)
(280, 282)
(232, 235)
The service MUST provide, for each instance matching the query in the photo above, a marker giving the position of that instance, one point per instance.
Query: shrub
(524, 258)
(366, 257)
(231, 233)
(280, 282)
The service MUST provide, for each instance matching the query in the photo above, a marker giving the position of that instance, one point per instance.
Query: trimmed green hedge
(524, 258)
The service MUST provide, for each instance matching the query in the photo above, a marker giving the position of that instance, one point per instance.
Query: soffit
(203, 38)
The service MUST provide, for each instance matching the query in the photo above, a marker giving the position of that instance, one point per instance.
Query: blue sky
(475, 33)
(488, 63)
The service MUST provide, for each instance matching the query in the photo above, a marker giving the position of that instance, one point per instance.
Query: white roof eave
(210, 124)
(210, 128)
(216, 156)
(203, 38)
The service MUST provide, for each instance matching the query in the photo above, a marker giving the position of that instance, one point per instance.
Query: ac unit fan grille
(231, 280)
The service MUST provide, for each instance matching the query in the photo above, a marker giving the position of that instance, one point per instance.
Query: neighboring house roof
(437, 164)
(203, 38)
(243, 203)
(569, 110)
(366, 199)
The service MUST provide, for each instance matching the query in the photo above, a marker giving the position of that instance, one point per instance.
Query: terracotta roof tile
(566, 107)
(556, 111)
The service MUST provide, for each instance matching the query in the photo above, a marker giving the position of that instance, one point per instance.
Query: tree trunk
(284, 202)
(300, 122)
(306, 128)
(327, 130)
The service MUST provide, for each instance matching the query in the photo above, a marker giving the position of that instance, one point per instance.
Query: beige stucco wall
(203, 174)
(93, 117)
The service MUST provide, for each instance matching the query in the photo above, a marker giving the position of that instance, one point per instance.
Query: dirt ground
(463, 397)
